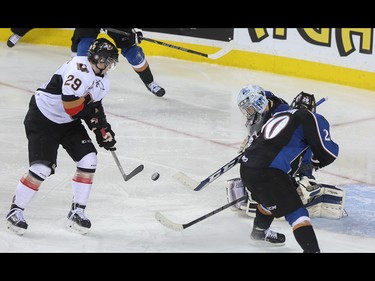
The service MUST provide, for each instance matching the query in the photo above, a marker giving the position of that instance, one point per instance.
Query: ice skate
(16, 221)
(154, 88)
(77, 221)
(268, 236)
(13, 39)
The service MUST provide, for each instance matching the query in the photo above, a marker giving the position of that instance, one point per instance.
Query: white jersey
(74, 78)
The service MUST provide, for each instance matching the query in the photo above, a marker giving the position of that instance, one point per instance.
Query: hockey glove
(105, 138)
(316, 163)
(306, 170)
(134, 38)
(97, 120)
(138, 37)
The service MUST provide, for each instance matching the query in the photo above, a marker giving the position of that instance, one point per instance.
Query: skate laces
(17, 214)
(270, 234)
(153, 87)
(79, 212)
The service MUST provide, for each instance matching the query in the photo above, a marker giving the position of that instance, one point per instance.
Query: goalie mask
(103, 51)
(304, 100)
(252, 102)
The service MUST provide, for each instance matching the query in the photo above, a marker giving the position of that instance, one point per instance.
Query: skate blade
(74, 227)
(266, 243)
(15, 229)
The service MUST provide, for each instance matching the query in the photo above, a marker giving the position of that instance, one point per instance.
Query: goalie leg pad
(251, 206)
(235, 190)
(329, 204)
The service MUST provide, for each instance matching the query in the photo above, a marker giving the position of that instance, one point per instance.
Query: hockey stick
(228, 47)
(196, 186)
(132, 173)
(178, 227)
(321, 101)
(333, 196)
(113, 152)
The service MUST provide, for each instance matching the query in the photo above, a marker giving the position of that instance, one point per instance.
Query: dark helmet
(304, 100)
(103, 50)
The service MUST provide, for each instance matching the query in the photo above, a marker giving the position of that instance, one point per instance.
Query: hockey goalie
(321, 200)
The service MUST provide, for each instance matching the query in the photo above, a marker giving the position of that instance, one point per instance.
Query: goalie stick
(126, 177)
(178, 227)
(227, 48)
(196, 186)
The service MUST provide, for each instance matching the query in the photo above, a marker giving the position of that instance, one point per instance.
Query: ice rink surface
(195, 128)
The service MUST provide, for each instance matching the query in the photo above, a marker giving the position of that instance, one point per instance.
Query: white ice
(196, 128)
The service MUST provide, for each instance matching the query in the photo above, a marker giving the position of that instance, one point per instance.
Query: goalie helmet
(304, 100)
(103, 51)
(252, 101)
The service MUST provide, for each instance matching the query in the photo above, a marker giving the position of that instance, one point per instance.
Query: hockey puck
(155, 176)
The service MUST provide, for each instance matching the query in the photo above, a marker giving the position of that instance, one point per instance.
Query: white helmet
(251, 100)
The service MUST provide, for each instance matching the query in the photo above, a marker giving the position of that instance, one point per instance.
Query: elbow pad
(80, 108)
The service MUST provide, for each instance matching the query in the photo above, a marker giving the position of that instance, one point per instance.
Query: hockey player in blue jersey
(274, 157)
(130, 49)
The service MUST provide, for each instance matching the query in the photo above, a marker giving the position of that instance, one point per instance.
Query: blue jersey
(285, 139)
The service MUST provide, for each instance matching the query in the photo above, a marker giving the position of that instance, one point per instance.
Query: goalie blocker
(326, 201)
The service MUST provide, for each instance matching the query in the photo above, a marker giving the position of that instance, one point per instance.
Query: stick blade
(134, 172)
(168, 223)
(227, 48)
(185, 180)
(202, 184)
